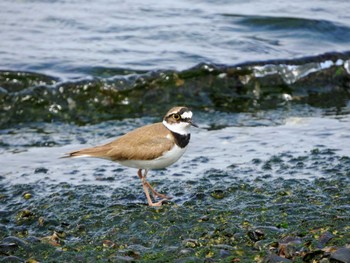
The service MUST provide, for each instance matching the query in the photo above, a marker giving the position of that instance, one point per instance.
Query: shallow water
(209, 149)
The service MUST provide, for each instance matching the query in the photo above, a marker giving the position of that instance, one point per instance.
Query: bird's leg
(145, 186)
(154, 192)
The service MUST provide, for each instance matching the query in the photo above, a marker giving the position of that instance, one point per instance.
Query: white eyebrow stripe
(186, 115)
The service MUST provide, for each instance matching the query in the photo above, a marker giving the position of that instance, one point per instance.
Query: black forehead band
(183, 110)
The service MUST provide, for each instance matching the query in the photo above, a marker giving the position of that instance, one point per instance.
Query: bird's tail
(96, 152)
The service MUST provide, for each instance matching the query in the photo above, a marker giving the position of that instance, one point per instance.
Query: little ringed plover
(153, 146)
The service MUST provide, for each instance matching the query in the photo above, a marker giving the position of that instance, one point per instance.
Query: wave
(110, 93)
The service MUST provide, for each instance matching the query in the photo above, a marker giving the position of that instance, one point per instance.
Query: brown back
(145, 143)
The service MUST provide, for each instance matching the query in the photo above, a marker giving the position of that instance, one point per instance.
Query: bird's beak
(193, 124)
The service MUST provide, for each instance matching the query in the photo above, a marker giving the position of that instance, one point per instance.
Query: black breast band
(181, 140)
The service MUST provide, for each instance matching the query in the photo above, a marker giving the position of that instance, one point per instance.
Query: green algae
(224, 216)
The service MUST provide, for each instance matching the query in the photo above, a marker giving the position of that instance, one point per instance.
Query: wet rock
(24, 216)
(256, 235)
(3, 92)
(11, 259)
(8, 248)
(129, 253)
(54, 239)
(137, 250)
(341, 255)
(108, 244)
(3, 228)
(276, 259)
(224, 253)
(218, 194)
(289, 246)
(191, 243)
(27, 196)
(41, 170)
(224, 247)
(263, 245)
(239, 236)
(33, 239)
(188, 259)
(324, 239)
(14, 240)
(186, 251)
(172, 235)
(124, 259)
(313, 256)
(203, 219)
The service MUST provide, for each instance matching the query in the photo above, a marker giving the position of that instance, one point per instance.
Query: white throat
(182, 128)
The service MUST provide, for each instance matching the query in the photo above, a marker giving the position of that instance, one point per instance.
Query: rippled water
(35, 157)
(70, 38)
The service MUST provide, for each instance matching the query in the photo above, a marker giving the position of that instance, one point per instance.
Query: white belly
(161, 162)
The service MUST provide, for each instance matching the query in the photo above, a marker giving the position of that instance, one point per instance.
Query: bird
(153, 146)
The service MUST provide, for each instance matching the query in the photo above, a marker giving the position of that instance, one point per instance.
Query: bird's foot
(157, 204)
(154, 192)
(146, 185)
(163, 196)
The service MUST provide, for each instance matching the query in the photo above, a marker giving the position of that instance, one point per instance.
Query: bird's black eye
(176, 116)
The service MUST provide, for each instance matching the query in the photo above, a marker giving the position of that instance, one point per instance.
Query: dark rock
(224, 247)
(124, 259)
(341, 255)
(24, 215)
(33, 239)
(191, 243)
(3, 229)
(256, 235)
(324, 238)
(8, 248)
(187, 251)
(11, 259)
(14, 240)
(41, 170)
(276, 259)
(139, 248)
(218, 194)
(189, 259)
(224, 253)
(207, 260)
(313, 256)
(289, 246)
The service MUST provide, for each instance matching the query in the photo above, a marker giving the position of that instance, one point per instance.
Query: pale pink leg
(147, 185)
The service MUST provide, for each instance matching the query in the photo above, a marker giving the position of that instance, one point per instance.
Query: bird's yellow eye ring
(176, 116)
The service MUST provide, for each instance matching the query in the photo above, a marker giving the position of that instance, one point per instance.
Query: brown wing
(145, 143)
